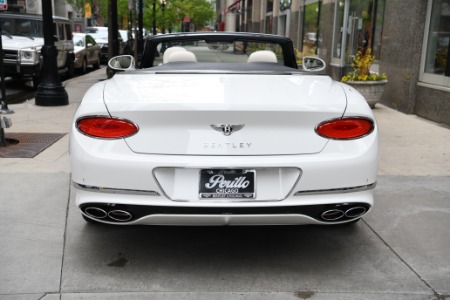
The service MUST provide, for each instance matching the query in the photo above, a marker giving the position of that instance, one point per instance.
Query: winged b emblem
(227, 129)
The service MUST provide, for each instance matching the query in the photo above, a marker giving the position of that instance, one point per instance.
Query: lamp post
(154, 17)
(4, 105)
(113, 30)
(50, 91)
(163, 6)
(140, 32)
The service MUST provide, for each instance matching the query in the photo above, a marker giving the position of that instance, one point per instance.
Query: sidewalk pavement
(400, 251)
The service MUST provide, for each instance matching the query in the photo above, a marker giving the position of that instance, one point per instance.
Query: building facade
(60, 8)
(409, 38)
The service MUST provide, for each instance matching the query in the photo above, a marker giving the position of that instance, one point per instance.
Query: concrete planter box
(371, 90)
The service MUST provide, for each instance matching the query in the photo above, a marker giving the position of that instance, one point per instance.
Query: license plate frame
(238, 184)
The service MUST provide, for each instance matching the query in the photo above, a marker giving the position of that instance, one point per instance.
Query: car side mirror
(89, 45)
(313, 64)
(122, 63)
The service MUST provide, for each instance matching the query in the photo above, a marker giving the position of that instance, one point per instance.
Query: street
(400, 250)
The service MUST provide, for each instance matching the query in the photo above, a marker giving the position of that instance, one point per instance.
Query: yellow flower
(361, 68)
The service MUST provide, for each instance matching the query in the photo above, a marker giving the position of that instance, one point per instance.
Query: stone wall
(401, 51)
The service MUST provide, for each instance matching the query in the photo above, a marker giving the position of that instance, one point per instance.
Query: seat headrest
(182, 56)
(169, 51)
(262, 56)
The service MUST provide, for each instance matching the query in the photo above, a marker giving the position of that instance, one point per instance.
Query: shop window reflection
(438, 45)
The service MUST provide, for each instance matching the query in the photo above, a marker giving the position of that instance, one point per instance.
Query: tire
(97, 64)
(84, 66)
(70, 66)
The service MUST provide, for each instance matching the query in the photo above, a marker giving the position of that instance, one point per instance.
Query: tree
(199, 11)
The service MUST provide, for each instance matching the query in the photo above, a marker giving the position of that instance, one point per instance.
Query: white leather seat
(169, 51)
(262, 56)
(182, 56)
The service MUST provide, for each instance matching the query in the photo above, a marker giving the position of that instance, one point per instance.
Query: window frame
(430, 80)
(339, 61)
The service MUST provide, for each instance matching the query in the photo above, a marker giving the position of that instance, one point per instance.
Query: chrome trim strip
(113, 191)
(338, 191)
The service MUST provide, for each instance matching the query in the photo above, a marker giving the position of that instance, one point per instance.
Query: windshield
(22, 27)
(97, 33)
(221, 52)
(78, 41)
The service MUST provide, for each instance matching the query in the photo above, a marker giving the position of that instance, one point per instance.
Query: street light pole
(140, 32)
(50, 91)
(163, 5)
(154, 17)
(4, 105)
(113, 30)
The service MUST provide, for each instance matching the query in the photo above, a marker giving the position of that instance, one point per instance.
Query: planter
(371, 90)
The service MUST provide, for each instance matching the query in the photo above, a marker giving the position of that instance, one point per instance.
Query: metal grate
(28, 145)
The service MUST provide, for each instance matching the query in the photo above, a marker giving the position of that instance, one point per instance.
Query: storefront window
(358, 25)
(269, 17)
(438, 44)
(311, 27)
(364, 18)
(338, 29)
(249, 17)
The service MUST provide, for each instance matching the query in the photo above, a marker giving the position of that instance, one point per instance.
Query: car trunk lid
(192, 114)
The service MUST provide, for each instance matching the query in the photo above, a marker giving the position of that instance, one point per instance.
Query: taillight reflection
(346, 128)
(106, 127)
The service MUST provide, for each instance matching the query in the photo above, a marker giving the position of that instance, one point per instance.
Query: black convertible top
(235, 68)
(152, 42)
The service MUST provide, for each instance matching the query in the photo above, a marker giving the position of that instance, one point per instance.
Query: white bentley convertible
(222, 129)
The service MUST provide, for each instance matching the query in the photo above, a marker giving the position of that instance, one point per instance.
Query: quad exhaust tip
(96, 212)
(115, 215)
(355, 212)
(120, 215)
(346, 213)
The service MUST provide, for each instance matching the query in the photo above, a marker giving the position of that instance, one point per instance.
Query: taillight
(106, 127)
(345, 129)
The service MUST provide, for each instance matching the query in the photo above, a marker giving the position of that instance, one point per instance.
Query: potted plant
(369, 84)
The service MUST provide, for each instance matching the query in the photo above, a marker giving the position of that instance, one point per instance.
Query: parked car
(127, 42)
(22, 40)
(211, 136)
(100, 34)
(87, 52)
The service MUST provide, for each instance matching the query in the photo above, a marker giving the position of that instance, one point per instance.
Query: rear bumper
(142, 209)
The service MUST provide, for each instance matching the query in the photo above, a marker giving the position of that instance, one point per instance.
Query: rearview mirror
(313, 64)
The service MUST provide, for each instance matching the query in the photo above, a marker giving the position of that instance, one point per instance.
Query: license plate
(228, 184)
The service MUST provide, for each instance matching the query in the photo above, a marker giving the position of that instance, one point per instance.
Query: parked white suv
(23, 38)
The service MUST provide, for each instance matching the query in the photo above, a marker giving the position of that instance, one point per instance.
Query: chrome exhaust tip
(120, 215)
(355, 212)
(332, 215)
(95, 212)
